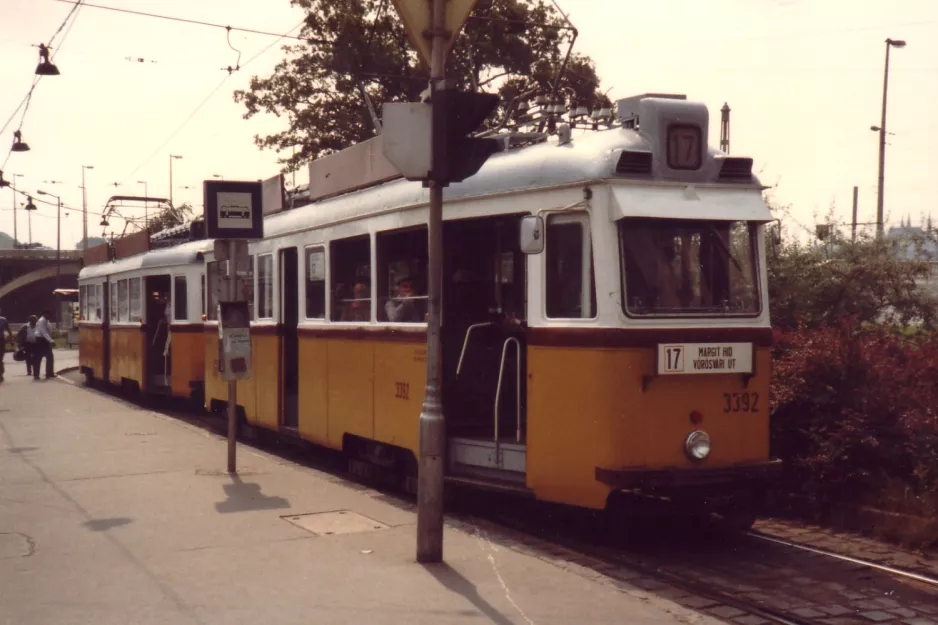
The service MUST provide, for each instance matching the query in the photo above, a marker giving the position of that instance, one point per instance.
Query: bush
(855, 415)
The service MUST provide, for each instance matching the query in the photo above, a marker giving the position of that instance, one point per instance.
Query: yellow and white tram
(630, 351)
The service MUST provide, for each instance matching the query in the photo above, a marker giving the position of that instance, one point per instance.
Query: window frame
(139, 299)
(83, 302)
(755, 242)
(113, 307)
(381, 271)
(587, 270)
(307, 250)
(259, 262)
(177, 299)
(99, 299)
(123, 300)
(371, 277)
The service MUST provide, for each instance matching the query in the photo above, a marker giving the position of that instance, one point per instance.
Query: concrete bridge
(28, 278)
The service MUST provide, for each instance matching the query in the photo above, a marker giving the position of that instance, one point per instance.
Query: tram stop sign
(233, 209)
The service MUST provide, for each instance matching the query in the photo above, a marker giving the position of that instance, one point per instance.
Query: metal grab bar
(465, 343)
(498, 393)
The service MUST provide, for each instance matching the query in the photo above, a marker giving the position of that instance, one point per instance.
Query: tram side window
(123, 301)
(570, 289)
(217, 271)
(136, 306)
(89, 302)
(265, 286)
(114, 300)
(180, 299)
(402, 275)
(351, 279)
(99, 303)
(315, 283)
(83, 302)
(246, 284)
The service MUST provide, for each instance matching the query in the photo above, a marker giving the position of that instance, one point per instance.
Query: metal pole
(432, 423)
(16, 241)
(84, 210)
(853, 235)
(232, 384)
(58, 245)
(882, 149)
(170, 179)
(29, 217)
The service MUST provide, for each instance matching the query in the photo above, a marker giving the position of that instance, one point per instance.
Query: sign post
(441, 25)
(233, 213)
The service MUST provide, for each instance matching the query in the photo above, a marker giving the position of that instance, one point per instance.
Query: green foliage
(171, 217)
(869, 280)
(506, 47)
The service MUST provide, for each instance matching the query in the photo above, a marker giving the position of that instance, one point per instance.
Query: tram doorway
(158, 342)
(290, 344)
(483, 347)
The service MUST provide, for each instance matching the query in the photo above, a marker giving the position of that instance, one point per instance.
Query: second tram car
(605, 323)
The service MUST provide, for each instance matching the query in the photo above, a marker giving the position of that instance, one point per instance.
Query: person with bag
(44, 346)
(4, 326)
(26, 337)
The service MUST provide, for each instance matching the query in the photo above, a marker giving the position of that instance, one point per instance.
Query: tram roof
(183, 254)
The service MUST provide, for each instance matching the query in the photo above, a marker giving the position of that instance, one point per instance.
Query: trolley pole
(853, 232)
(232, 384)
(432, 421)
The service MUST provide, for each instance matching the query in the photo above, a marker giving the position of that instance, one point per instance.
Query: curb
(67, 370)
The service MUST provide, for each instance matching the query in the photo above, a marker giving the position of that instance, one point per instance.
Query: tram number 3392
(402, 390)
(740, 402)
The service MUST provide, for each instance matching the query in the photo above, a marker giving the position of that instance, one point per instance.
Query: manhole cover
(338, 522)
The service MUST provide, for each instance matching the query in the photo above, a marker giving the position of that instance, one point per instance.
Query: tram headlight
(697, 445)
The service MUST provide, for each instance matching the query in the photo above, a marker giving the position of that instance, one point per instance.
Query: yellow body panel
(265, 379)
(91, 349)
(314, 402)
(188, 361)
(350, 389)
(400, 380)
(587, 409)
(128, 353)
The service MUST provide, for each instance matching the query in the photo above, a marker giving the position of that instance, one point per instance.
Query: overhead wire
(198, 22)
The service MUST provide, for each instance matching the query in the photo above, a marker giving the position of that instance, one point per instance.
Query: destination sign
(704, 358)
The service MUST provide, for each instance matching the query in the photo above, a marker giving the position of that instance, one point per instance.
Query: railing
(465, 343)
(498, 392)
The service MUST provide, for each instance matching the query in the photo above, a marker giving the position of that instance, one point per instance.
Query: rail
(465, 343)
(498, 390)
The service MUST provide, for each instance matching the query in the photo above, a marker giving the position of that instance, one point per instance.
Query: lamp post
(84, 207)
(58, 238)
(146, 204)
(171, 157)
(30, 207)
(890, 43)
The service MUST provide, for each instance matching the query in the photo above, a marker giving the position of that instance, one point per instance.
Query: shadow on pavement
(454, 581)
(245, 496)
(103, 525)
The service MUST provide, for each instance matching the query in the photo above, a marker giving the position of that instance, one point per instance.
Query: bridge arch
(43, 273)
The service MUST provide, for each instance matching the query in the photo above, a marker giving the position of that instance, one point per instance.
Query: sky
(803, 78)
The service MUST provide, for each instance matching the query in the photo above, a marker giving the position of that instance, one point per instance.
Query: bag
(19, 355)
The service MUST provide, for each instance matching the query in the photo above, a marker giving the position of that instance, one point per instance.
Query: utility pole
(171, 157)
(890, 43)
(432, 424)
(84, 207)
(853, 234)
(232, 383)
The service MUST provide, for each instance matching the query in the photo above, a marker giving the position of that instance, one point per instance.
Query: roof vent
(634, 162)
(736, 168)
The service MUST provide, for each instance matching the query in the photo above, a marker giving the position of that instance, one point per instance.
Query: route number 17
(674, 359)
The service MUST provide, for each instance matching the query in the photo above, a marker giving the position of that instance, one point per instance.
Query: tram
(605, 317)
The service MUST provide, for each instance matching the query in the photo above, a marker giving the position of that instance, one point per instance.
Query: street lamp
(171, 157)
(890, 43)
(84, 207)
(146, 209)
(30, 207)
(58, 238)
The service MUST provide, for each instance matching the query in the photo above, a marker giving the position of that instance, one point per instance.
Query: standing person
(4, 326)
(44, 346)
(26, 336)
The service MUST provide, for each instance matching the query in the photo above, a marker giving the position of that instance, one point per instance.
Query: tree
(170, 217)
(506, 47)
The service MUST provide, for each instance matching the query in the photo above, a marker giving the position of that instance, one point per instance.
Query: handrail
(498, 393)
(465, 342)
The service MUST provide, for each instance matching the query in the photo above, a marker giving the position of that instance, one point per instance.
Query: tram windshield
(678, 268)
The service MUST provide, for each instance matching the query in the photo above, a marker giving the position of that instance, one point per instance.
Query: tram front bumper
(743, 475)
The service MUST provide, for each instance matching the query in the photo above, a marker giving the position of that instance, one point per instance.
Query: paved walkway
(110, 514)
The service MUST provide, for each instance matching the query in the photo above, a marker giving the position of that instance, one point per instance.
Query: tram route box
(233, 209)
(234, 335)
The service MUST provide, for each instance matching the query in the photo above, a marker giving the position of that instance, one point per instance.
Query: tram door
(158, 315)
(483, 347)
(290, 345)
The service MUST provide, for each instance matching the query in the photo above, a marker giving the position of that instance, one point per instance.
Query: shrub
(855, 415)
